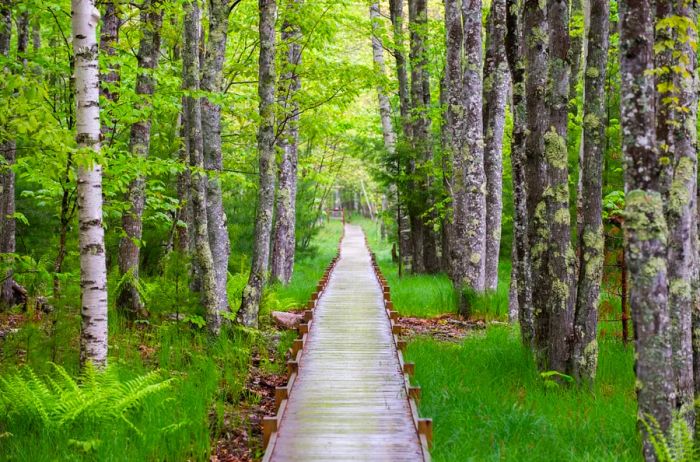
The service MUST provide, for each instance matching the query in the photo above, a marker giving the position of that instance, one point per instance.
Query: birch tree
(93, 269)
(591, 239)
(646, 232)
(252, 293)
(496, 84)
(284, 241)
(129, 299)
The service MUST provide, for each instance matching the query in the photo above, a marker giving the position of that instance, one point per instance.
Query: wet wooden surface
(348, 402)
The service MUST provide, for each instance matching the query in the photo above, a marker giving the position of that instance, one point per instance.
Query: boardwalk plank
(348, 402)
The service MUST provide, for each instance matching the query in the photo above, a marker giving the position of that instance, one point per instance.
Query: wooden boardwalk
(348, 400)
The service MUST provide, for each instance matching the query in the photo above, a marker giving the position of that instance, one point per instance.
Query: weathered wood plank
(349, 399)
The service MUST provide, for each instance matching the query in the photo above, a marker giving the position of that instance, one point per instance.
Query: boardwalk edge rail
(271, 424)
(424, 426)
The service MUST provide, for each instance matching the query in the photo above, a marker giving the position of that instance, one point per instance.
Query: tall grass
(431, 295)
(489, 404)
(308, 269)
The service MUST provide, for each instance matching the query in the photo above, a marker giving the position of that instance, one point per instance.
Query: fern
(677, 446)
(96, 397)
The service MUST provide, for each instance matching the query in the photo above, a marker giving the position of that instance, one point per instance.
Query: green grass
(308, 270)
(427, 296)
(488, 403)
(209, 374)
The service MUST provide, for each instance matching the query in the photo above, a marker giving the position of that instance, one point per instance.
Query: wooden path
(348, 398)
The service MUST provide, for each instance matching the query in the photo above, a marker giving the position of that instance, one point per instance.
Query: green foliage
(678, 446)
(60, 402)
(490, 404)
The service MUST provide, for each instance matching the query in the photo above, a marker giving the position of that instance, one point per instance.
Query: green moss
(591, 121)
(644, 215)
(679, 195)
(592, 72)
(555, 151)
(561, 217)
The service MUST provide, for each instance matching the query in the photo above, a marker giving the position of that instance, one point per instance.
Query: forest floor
(479, 385)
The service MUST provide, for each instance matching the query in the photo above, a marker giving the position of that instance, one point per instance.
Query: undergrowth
(489, 403)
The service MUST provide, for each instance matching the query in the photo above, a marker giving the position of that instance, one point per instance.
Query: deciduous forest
(349, 230)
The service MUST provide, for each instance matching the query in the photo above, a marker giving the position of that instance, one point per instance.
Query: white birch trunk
(93, 270)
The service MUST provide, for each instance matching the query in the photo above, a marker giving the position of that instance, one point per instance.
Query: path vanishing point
(348, 399)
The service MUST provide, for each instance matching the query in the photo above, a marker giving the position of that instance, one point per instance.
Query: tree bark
(576, 34)
(681, 212)
(645, 223)
(558, 315)
(252, 294)
(129, 301)
(496, 82)
(420, 136)
(396, 14)
(284, 241)
(212, 77)
(591, 241)
(93, 269)
(521, 271)
(7, 175)
(198, 187)
(109, 36)
(464, 85)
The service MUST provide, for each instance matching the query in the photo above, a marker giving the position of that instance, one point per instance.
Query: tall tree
(558, 313)
(252, 294)
(129, 299)
(109, 36)
(591, 239)
(645, 222)
(520, 273)
(198, 179)
(7, 175)
(212, 83)
(284, 242)
(396, 13)
(422, 238)
(380, 70)
(93, 268)
(496, 83)
(465, 133)
(681, 210)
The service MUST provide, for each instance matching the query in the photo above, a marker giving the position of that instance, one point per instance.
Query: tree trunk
(420, 133)
(129, 301)
(576, 34)
(645, 223)
(284, 242)
(681, 212)
(198, 187)
(591, 241)
(396, 14)
(109, 36)
(93, 269)
(212, 77)
(496, 82)
(558, 318)
(22, 37)
(7, 175)
(521, 271)
(252, 294)
(464, 86)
